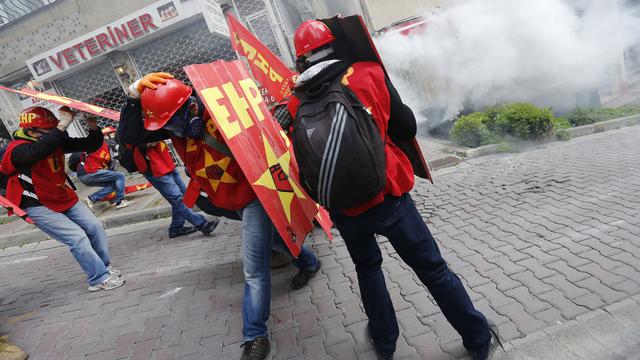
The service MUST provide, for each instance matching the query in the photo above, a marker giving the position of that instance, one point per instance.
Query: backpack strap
(217, 145)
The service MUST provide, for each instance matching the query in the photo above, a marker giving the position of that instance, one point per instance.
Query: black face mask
(179, 122)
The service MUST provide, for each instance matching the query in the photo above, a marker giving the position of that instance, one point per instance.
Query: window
(11, 10)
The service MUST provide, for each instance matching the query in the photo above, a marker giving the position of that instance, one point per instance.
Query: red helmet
(159, 105)
(108, 130)
(37, 117)
(311, 35)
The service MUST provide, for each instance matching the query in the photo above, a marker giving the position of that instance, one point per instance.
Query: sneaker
(208, 228)
(114, 272)
(379, 354)
(89, 203)
(8, 351)
(302, 278)
(486, 353)
(121, 204)
(185, 230)
(109, 284)
(257, 349)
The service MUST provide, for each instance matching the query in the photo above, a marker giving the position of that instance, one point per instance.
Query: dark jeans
(399, 221)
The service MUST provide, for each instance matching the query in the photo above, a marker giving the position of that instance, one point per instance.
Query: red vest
(47, 177)
(216, 174)
(97, 160)
(366, 80)
(158, 157)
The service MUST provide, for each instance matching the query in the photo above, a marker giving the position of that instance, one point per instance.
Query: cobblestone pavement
(539, 238)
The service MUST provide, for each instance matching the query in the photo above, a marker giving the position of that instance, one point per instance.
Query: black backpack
(338, 147)
(125, 154)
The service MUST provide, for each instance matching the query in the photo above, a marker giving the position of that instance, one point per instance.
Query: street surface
(539, 238)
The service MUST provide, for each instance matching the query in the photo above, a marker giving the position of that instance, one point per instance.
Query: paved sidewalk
(546, 242)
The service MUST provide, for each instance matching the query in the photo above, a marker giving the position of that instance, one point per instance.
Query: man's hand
(65, 117)
(92, 123)
(148, 81)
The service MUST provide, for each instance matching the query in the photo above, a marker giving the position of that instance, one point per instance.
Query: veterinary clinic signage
(106, 39)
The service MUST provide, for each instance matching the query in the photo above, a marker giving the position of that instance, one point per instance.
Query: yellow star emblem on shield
(276, 177)
(149, 113)
(216, 171)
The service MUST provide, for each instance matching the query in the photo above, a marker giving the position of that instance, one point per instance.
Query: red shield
(13, 209)
(128, 190)
(258, 144)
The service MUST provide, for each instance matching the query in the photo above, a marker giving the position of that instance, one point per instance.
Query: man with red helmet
(97, 169)
(170, 109)
(321, 60)
(35, 164)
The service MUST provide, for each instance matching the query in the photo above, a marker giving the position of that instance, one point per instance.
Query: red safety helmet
(311, 35)
(37, 117)
(108, 130)
(160, 104)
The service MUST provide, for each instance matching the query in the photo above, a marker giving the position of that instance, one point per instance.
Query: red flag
(74, 104)
(14, 209)
(127, 190)
(266, 67)
(258, 144)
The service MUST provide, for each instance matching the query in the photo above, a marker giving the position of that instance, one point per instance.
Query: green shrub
(579, 117)
(560, 123)
(521, 120)
(563, 134)
(471, 131)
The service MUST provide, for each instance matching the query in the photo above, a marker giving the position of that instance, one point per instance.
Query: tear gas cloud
(476, 53)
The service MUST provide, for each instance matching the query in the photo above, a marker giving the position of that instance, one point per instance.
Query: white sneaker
(89, 203)
(114, 272)
(122, 204)
(109, 284)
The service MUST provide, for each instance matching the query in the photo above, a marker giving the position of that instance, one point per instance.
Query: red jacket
(367, 81)
(213, 172)
(97, 160)
(156, 159)
(45, 181)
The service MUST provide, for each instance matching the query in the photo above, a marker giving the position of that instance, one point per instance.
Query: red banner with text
(266, 67)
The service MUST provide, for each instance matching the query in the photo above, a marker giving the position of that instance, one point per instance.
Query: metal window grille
(11, 10)
(191, 45)
(98, 85)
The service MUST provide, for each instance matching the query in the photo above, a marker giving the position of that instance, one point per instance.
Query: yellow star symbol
(149, 113)
(220, 165)
(276, 177)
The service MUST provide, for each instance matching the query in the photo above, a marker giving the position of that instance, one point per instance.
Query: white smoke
(482, 52)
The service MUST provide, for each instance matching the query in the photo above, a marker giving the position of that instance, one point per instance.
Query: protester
(363, 94)
(172, 110)
(35, 164)
(97, 169)
(154, 161)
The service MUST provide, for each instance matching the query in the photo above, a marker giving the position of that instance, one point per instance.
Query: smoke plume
(475, 53)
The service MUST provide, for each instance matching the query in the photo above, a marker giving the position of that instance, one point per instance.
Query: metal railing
(12, 10)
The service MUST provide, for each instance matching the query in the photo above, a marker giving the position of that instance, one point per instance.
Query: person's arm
(27, 155)
(402, 121)
(91, 143)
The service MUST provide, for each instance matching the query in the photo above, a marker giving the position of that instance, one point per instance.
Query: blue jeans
(399, 221)
(109, 180)
(172, 188)
(259, 236)
(81, 231)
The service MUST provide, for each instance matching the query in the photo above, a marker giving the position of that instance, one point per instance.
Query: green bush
(560, 123)
(563, 134)
(579, 116)
(471, 131)
(521, 120)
